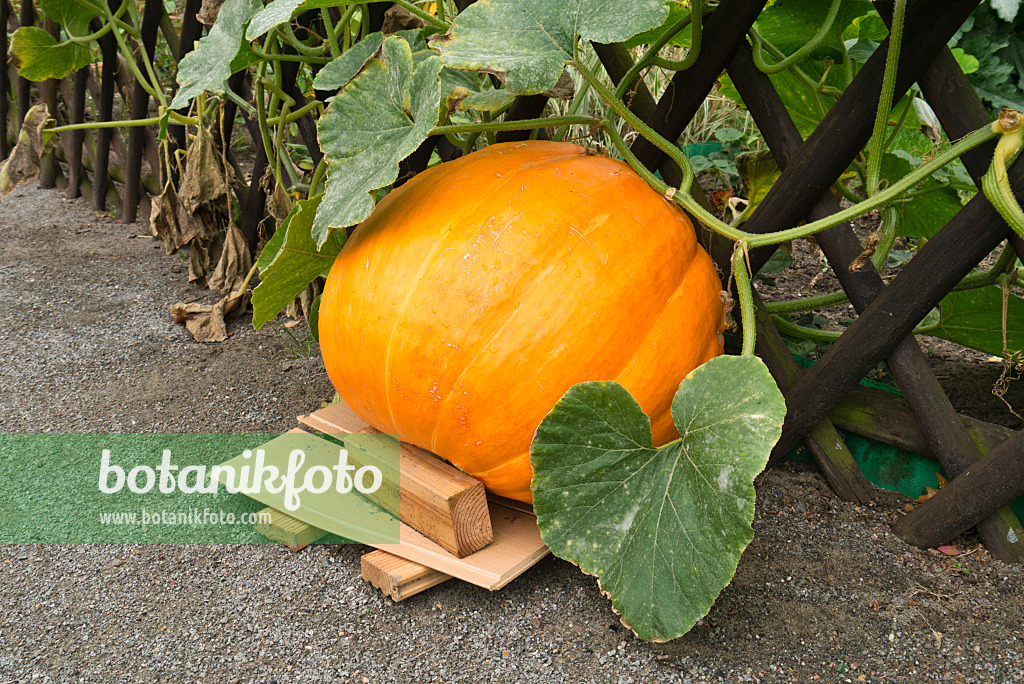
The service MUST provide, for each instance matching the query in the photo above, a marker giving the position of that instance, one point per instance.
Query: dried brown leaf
(208, 12)
(205, 179)
(397, 18)
(234, 263)
(23, 164)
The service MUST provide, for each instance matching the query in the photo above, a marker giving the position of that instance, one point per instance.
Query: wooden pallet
(448, 528)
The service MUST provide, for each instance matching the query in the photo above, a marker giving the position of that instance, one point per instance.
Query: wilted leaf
(205, 179)
(663, 528)
(39, 56)
(278, 203)
(379, 119)
(209, 64)
(32, 145)
(234, 263)
(758, 171)
(175, 225)
(948, 550)
(206, 321)
(299, 262)
(974, 318)
(531, 40)
(397, 18)
(209, 11)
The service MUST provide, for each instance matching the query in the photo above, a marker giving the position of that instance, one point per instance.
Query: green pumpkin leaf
(338, 72)
(924, 215)
(662, 528)
(274, 14)
(488, 100)
(74, 17)
(297, 264)
(974, 318)
(377, 120)
(210, 63)
(39, 56)
(531, 40)
(790, 24)
(677, 11)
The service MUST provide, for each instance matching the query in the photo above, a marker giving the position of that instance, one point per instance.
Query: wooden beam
(397, 577)
(438, 500)
(284, 529)
(979, 492)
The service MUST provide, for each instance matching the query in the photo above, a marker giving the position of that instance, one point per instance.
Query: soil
(824, 592)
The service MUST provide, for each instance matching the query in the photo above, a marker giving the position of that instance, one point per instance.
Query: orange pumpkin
(480, 291)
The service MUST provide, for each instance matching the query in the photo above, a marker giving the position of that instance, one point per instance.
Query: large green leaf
(209, 64)
(790, 24)
(377, 120)
(677, 10)
(338, 72)
(974, 318)
(662, 528)
(39, 56)
(531, 40)
(924, 215)
(74, 17)
(274, 14)
(298, 262)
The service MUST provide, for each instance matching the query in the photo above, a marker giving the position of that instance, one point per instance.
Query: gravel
(824, 593)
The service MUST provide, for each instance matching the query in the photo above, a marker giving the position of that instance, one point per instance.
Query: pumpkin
(478, 293)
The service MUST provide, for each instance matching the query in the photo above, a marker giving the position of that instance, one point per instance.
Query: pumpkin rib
(445, 232)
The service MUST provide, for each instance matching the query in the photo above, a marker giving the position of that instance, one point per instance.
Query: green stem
(890, 221)
(899, 122)
(332, 39)
(318, 177)
(787, 327)
(425, 16)
(300, 47)
(274, 57)
(634, 71)
(291, 117)
(808, 303)
(996, 182)
(110, 124)
(892, 58)
(812, 86)
(805, 49)
(743, 288)
(696, 10)
(521, 125)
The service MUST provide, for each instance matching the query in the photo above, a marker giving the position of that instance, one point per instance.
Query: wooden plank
(436, 499)
(284, 529)
(517, 546)
(397, 577)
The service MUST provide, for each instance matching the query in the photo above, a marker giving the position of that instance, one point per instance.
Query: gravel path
(824, 593)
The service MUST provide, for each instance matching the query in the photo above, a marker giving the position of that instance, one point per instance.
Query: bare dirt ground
(824, 593)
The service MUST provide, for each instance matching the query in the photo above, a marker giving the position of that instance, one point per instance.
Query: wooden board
(284, 529)
(517, 546)
(397, 577)
(438, 500)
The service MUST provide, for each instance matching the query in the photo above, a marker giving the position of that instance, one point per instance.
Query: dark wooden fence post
(27, 17)
(5, 85)
(104, 112)
(48, 168)
(76, 138)
(140, 109)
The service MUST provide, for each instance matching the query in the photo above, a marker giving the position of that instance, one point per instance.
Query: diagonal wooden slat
(949, 440)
